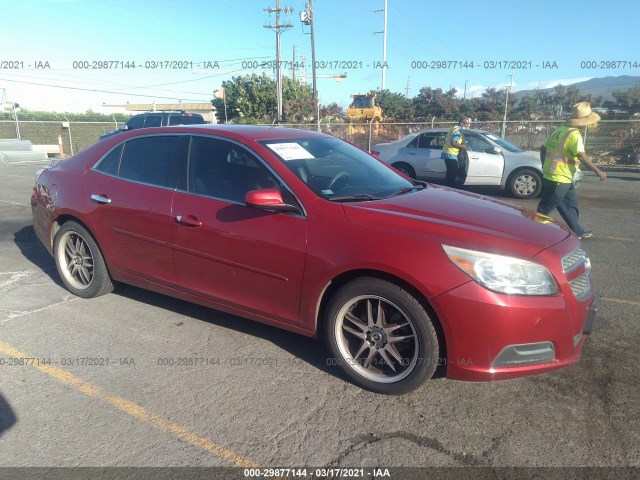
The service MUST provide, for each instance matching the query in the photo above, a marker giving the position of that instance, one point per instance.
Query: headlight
(503, 274)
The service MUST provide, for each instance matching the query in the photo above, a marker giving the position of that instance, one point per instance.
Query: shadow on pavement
(30, 247)
(7, 417)
(309, 350)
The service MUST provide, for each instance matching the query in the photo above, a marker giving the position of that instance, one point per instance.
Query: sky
(53, 53)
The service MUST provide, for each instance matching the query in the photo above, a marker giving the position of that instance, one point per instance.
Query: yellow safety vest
(448, 148)
(558, 166)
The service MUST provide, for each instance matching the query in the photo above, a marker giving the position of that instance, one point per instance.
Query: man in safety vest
(453, 143)
(561, 154)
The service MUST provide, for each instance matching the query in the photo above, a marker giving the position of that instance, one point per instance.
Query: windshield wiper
(355, 198)
(408, 189)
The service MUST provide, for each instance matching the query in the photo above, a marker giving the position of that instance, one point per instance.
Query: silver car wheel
(76, 259)
(525, 184)
(376, 339)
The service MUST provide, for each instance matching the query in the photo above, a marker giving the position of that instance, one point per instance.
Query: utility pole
(307, 17)
(303, 62)
(293, 64)
(384, 45)
(406, 92)
(506, 103)
(278, 28)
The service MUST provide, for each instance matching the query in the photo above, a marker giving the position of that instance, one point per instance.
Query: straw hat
(581, 115)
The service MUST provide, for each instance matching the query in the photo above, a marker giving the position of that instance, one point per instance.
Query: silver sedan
(492, 160)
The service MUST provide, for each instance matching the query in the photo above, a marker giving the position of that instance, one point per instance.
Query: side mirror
(124, 127)
(269, 199)
(496, 150)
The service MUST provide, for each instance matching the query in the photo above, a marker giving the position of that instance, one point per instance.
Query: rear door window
(432, 140)
(151, 160)
(153, 121)
(111, 162)
(185, 119)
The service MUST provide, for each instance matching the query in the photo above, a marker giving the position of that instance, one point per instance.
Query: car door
(130, 194)
(225, 251)
(486, 164)
(423, 154)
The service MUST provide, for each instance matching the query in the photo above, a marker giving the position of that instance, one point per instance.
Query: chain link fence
(612, 142)
(75, 136)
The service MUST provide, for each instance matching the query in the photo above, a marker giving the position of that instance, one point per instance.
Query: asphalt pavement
(137, 379)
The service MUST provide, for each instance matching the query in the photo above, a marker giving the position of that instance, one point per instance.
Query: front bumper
(492, 336)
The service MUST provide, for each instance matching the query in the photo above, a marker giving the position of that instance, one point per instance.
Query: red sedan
(305, 232)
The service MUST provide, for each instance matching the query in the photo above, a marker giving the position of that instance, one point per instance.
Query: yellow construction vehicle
(363, 107)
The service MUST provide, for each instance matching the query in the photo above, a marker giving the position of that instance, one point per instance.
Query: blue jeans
(451, 161)
(562, 196)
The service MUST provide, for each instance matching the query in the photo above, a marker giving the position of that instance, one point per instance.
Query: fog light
(525, 354)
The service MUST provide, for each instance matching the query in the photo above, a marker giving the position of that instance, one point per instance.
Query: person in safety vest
(561, 155)
(453, 143)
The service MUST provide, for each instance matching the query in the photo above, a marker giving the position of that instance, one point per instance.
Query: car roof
(253, 132)
(159, 112)
(444, 129)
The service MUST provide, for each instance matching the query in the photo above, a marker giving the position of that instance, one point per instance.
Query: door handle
(103, 199)
(188, 220)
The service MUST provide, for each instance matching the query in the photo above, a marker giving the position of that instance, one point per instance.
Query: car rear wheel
(381, 336)
(80, 262)
(525, 183)
(405, 168)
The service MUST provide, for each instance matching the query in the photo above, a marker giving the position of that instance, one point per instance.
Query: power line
(64, 87)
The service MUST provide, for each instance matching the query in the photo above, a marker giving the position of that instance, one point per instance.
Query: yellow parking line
(4, 175)
(15, 203)
(136, 411)
(619, 300)
(624, 239)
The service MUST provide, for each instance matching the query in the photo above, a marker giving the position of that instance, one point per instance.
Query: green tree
(298, 104)
(252, 99)
(490, 105)
(627, 100)
(395, 106)
(436, 103)
(331, 110)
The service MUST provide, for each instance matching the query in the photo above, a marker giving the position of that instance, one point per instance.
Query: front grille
(574, 260)
(581, 287)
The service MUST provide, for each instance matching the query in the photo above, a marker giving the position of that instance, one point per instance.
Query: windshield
(337, 170)
(361, 102)
(503, 143)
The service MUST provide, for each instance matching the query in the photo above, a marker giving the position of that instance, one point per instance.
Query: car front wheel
(381, 336)
(405, 168)
(79, 262)
(525, 183)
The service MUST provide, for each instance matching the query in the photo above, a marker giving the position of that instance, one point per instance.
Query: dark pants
(452, 171)
(562, 196)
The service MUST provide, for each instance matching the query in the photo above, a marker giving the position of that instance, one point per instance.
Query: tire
(405, 168)
(525, 183)
(361, 319)
(79, 262)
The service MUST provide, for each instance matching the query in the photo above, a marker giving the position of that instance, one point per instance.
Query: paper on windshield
(290, 151)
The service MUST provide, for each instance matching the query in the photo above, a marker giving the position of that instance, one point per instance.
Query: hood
(462, 219)
(528, 154)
